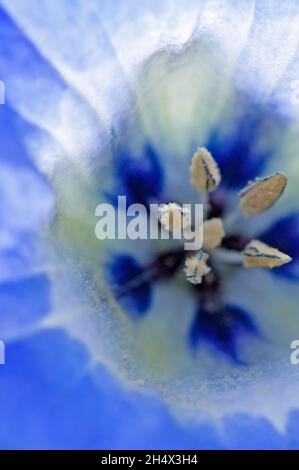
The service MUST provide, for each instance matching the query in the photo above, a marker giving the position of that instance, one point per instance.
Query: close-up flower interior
(140, 343)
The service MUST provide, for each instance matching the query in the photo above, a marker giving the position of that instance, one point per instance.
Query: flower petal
(50, 384)
(42, 96)
(26, 199)
(292, 429)
(243, 431)
(23, 303)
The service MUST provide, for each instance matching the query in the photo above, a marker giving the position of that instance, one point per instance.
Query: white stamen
(196, 267)
(204, 171)
(260, 255)
(262, 193)
(213, 233)
(173, 217)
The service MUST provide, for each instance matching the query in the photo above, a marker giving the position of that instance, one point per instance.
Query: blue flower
(106, 343)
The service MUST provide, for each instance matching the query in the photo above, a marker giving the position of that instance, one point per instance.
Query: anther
(204, 171)
(260, 194)
(259, 255)
(213, 233)
(173, 217)
(196, 267)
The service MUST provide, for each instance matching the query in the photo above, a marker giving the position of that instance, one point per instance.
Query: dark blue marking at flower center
(222, 329)
(243, 149)
(126, 277)
(132, 284)
(139, 179)
(284, 235)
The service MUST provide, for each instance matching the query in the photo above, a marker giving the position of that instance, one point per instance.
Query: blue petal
(23, 302)
(284, 235)
(123, 271)
(245, 432)
(40, 94)
(26, 198)
(11, 146)
(140, 180)
(222, 329)
(50, 388)
(19, 54)
(293, 430)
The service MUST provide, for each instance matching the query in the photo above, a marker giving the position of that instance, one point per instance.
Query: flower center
(200, 268)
